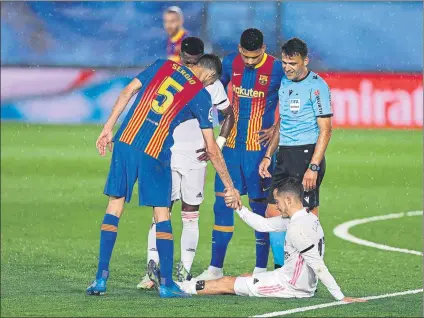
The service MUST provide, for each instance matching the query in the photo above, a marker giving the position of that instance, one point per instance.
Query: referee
(305, 127)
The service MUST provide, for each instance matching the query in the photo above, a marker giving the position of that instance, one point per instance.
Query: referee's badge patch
(294, 105)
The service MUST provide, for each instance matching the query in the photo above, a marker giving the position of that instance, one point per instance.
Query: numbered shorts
(188, 185)
(129, 164)
(293, 161)
(243, 167)
(267, 284)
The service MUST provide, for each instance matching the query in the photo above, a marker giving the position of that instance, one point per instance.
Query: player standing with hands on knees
(168, 94)
(304, 128)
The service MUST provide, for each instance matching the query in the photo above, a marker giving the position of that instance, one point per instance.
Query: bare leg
(115, 206)
(316, 211)
(224, 285)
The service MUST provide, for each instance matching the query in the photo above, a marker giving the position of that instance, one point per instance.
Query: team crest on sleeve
(263, 79)
(294, 105)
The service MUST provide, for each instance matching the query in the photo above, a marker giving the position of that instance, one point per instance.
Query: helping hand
(232, 199)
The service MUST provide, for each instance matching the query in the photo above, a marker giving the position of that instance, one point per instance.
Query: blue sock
(165, 246)
(277, 245)
(108, 233)
(222, 231)
(262, 239)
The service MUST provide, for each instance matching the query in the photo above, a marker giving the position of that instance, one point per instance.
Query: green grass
(52, 207)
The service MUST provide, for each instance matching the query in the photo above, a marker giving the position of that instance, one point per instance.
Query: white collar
(299, 214)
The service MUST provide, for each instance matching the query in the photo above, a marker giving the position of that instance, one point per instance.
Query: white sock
(189, 237)
(152, 251)
(258, 270)
(215, 270)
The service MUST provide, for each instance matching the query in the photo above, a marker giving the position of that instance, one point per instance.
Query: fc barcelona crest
(263, 79)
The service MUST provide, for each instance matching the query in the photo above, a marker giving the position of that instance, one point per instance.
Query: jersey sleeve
(146, 73)
(321, 99)
(261, 224)
(226, 71)
(218, 95)
(278, 70)
(306, 247)
(201, 107)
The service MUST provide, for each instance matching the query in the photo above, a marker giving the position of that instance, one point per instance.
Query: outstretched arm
(261, 224)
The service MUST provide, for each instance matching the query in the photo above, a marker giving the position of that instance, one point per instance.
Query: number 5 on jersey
(168, 96)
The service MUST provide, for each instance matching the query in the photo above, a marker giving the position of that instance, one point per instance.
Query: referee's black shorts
(293, 161)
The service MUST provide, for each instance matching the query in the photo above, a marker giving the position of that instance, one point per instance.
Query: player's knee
(161, 214)
(115, 206)
(315, 211)
(188, 207)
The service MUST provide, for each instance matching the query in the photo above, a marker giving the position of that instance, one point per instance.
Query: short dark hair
(295, 46)
(211, 62)
(193, 46)
(291, 185)
(252, 39)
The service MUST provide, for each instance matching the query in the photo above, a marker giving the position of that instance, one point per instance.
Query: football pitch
(52, 206)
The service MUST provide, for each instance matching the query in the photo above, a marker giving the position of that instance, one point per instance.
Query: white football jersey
(188, 136)
(304, 251)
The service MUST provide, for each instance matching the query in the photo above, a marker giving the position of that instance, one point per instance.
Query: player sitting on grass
(304, 252)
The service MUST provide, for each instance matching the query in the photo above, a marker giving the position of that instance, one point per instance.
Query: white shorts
(188, 181)
(267, 284)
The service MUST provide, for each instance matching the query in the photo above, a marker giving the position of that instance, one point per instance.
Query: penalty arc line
(342, 231)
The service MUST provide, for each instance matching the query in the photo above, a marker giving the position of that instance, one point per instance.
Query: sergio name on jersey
(170, 94)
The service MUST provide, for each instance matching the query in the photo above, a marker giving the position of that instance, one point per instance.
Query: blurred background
(65, 62)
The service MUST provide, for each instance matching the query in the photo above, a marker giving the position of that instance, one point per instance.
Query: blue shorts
(129, 164)
(243, 167)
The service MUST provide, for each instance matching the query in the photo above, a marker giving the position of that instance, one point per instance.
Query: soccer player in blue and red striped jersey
(168, 94)
(173, 23)
(255, 78)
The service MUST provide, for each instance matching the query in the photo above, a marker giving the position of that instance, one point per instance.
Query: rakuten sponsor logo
(376, 101)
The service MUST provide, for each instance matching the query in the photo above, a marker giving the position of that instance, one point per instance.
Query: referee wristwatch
(314, 167)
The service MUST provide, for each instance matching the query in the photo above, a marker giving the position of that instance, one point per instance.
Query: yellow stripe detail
(164, 236)
(263, 61)
(222, 228)
(177, 36)
(109, 228)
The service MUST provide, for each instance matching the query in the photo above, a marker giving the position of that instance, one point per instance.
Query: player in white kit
(304, 251)
(189, 168)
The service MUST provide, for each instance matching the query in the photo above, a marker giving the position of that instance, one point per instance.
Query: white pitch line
(342, 231)
(335, 303)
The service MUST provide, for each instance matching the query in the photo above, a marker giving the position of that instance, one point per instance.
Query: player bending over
(304, 253)
(255, 78)
(188, 172)
(168, 94)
